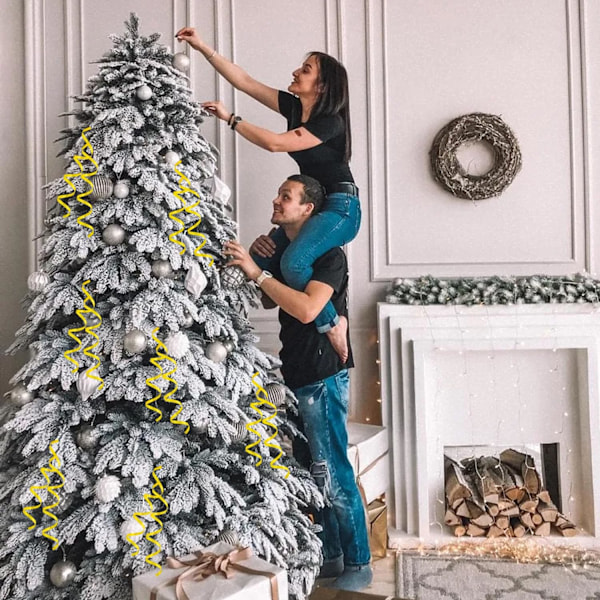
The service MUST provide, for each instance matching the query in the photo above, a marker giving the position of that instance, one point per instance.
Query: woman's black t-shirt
(324, 162)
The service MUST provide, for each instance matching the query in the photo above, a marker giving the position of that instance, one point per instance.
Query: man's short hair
(313, 191)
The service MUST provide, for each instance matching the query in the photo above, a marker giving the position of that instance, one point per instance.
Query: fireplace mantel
(488, 376)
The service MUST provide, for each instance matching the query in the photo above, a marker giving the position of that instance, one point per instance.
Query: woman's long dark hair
(333, 98)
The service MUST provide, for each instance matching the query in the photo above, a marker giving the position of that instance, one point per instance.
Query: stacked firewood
(500, 496)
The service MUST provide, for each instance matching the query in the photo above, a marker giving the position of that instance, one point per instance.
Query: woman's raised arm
(238, 78)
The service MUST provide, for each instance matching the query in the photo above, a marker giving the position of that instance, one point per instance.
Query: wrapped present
(333, 594)
(378, 533)
(218, 572)
(368, 455)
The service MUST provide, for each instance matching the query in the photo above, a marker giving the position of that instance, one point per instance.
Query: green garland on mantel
(536, 289)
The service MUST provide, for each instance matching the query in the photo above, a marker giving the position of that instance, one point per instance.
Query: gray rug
(433, 577)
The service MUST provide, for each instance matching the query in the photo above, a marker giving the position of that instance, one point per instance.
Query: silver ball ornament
(103, 187)
(135, 341)
(64, 504)
(92, 320)
(240, 432)
(62, 573)
(108, 488)
(113, 235)
(187, 321)
(121, 190)
(232, 277)
(172, 158)
(181, 61)
(144, 92)
(229, 537)
(216, 351)
(37, 281)
(20, 395)
(162, 268)
(86, 437)
(275, 393)
(229, 345)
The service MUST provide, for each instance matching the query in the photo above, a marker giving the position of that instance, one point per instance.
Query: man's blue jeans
(336, 225)
(323, 407)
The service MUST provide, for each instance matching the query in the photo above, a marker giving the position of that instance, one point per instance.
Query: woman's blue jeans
(335, 225)
(323, 408)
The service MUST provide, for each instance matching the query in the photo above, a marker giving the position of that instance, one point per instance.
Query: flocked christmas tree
(143, 362)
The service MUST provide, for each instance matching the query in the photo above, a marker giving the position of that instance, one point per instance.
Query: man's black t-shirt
(307, 355)
(324, 162)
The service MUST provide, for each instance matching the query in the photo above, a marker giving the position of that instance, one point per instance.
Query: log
(526, 520)
(568, 531)
(519, 531)
(502, 522)
(460, 530)
(543, 529)
(525, 465)
(537, 519)
(530, 505)
(451, 519)
(513, 511)
(483, 520)
(493, 510)
(456, 485)
(463, 510)
(475, 531)
(494, 532)
(566, 527)
(548, 511)
(544, 496)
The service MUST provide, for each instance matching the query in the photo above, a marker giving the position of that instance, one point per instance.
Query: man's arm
(304, 306)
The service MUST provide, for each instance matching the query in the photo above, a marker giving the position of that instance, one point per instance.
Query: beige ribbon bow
(205, 564)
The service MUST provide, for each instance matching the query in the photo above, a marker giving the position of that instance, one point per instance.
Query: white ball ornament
(216, 351)
(20, 395)
(144, 92)
(103, 187)
(177, 344)
(86, 385)
(86, 437)
(37, 281)
(113, 235)
(172, 158)
(135, 341)
(121, 190)
(132, 528)
(181, 61)
(62, 573)
(195, 280)
(108, 488)
(162, 268)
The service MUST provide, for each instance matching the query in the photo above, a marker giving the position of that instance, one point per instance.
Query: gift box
(332, 594)
(218, 572)
(378, 532)
(368, 455)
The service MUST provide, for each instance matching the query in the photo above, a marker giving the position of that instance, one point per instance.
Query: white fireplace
(457, 378)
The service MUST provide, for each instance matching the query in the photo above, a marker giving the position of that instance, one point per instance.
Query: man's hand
(239, 256)
(263, 245)
(217, 108)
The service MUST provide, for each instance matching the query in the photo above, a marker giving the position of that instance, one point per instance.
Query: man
(314, 371)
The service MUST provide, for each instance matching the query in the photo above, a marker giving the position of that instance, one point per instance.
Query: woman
(318, 139)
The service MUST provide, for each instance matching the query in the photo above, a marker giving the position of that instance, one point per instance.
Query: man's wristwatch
(264, 275)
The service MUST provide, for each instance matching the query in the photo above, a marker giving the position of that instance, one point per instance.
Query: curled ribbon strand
(267, 421)
(90, 329)
(249, 426)
(54, 464)
(86, 177)
(154, 515)
(149, 381)
(129, 536)
(172, 215)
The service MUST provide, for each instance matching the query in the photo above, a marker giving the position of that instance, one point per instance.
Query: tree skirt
(434, 577)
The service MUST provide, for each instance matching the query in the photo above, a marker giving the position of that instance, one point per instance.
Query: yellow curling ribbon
(129, 536)
(89, 329)
(86, 177)
(267, 421)
(172, 215)
(167, 377)
(54, 464)
(155, 514)
(249, 426)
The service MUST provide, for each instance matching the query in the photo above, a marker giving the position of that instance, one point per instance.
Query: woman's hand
(239, 256)
(190, 35)
(263, 245)
(217, 108)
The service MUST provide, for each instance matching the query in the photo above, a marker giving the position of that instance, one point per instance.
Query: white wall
(413, 66)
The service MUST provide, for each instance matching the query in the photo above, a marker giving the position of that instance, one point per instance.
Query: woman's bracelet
(229, 121)
(212, 55)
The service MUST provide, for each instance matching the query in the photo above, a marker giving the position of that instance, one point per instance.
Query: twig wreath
(475, 127)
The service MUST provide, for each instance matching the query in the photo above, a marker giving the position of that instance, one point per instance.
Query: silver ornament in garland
(232, 277)
(62, 573)
(275, 393)
(103, 187)
(172, 158)
(144, 92)
(240, 432)
(181, 61)
(162, 268)
(216, 351)
(37, 281)
(229, 537)
(113, 235)
(20, 395)
(86, 437)
(121, 190)
(135, 341)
